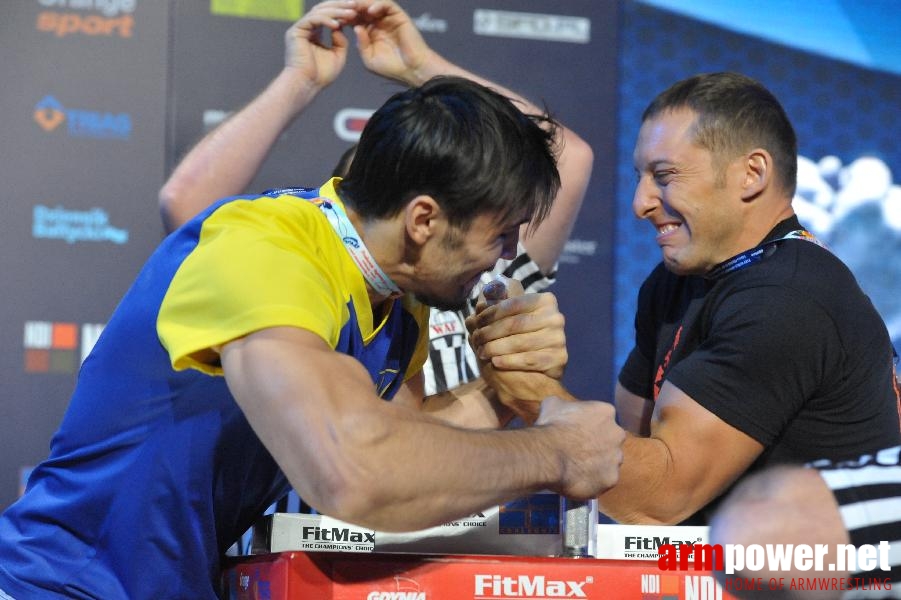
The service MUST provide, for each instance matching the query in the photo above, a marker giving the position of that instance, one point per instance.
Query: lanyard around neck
(749, 257)
(370, 269)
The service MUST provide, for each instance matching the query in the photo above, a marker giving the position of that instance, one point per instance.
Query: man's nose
(645, 199)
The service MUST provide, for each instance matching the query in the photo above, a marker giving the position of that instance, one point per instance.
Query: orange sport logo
(114, 18)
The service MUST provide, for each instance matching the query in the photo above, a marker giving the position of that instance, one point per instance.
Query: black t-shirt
(788, 350)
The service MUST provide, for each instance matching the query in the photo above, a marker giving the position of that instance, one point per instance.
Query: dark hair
(465, 145)
(344, 161)
(735, 114)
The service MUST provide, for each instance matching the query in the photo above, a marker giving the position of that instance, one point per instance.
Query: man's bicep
(411, 392)
(764, 354)
(633, 412)
(706, 454)
(284, 379)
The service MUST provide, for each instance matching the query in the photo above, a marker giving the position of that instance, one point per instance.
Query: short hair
(344, 161)
(735, 114)
(467, 146)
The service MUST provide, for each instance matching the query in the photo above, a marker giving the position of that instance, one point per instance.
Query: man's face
(694, 207)
(452, 265)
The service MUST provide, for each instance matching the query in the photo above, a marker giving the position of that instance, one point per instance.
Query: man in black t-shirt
(754, 344)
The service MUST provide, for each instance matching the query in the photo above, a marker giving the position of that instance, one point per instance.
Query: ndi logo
(75, 225)
(58, 347)
(659, 587)
(49, 114)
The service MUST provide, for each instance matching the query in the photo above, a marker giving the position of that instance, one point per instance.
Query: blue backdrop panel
(844, 115)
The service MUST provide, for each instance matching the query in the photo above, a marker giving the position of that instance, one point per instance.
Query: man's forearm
(438, 65)
(225, 161)
(641, 495)
(473, 405)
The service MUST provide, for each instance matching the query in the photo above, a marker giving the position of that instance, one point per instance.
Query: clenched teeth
(666, 229)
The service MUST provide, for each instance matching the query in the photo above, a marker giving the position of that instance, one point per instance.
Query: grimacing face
(451, 266)
(694, 207)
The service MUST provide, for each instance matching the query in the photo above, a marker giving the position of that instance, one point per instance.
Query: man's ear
(758, 170)
(421, 219)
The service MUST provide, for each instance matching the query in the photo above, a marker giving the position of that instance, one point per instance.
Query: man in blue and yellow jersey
(257, 347)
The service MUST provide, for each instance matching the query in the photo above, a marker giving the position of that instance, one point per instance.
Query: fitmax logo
(49, 114)
(647, 543)
(338, 534)
(525, 586)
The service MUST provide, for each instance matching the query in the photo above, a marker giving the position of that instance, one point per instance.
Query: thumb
(500, 288)
(548, 408)
(363, 40)
(514, 286)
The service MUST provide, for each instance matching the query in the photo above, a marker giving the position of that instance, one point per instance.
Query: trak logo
(49, 114)
(349, 123)
(115, 18)
(58, 347)
(538, 587)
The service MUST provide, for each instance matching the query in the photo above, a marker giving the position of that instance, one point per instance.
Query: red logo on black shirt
(661, 368)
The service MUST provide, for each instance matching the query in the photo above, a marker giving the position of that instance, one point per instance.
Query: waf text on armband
(772, 559)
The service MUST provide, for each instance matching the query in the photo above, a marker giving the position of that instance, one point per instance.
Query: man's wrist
(295, 86)
(433, 65)
(504, 413)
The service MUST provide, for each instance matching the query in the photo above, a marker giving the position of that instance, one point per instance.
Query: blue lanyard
(749, 257)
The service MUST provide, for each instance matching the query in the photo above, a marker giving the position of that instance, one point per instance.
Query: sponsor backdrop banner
(563, 56)
(83, 133)
(103, 98)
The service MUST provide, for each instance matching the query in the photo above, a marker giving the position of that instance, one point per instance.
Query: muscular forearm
(225, 161)
(473, 405)
(425, 473)
(644, 493)
(435, 65)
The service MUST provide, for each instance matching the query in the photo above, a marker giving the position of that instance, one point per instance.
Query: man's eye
(662, 177)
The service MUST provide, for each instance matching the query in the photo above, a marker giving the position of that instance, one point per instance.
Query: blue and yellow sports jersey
(154, 471)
